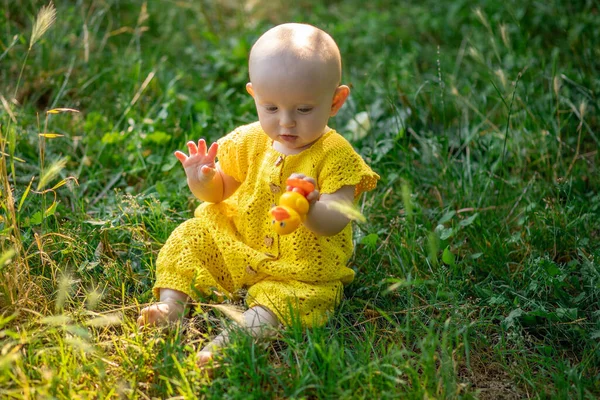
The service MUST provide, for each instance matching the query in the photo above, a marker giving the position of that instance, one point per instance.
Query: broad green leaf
(566, 313)
(447, 257)
(447, 217)
(468, 221)
(154, 159)
(158, 137)
(169, 164)
(161, 188)
(50, 210)
(370, 240)
(446, 233)
(35, 219)
(510, 321)
(112, 137)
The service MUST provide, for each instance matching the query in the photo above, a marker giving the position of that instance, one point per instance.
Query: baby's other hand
(200, 164)
(313, 196)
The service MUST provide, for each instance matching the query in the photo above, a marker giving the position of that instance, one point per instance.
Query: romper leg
(295, 301)
(207, 252)
(257, 321)
(188, 259)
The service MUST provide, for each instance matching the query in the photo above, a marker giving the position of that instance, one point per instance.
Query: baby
(230, 244)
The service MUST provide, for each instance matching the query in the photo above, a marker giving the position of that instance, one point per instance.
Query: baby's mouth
(288, 138)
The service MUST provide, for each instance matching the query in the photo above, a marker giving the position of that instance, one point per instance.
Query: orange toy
(293, 206)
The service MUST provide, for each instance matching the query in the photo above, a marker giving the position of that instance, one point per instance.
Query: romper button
(274, 188)
(268, 241)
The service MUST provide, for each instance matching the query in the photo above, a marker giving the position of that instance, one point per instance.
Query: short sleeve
(232, 155)
(343, 166)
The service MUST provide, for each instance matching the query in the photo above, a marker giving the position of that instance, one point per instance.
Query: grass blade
(25, 194)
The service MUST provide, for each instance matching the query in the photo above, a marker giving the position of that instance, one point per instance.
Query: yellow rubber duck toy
(293, 206)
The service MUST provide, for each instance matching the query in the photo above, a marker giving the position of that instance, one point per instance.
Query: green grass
(478, 272)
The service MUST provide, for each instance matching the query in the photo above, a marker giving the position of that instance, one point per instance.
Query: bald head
(298, 49)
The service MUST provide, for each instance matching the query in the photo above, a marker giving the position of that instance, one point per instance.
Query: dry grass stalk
(11, 248)
(7, 108)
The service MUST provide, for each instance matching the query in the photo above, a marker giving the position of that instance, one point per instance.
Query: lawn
(478, 265)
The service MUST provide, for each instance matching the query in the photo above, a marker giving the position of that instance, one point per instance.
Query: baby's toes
(151, 315)
(205, 361)
(203, 358)
(143, 317)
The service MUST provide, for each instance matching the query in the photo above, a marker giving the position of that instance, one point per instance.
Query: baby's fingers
(311, 180)
(307, 184)
(207, 172)
(212, 151)
(193, 149)
(313, 196)
(297, 176)
(181, 156)
(201, 147)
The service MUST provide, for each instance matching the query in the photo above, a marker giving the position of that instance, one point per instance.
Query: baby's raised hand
(312, 196)
(200, 164)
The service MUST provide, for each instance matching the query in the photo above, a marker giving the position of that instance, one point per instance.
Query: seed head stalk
(16, 278)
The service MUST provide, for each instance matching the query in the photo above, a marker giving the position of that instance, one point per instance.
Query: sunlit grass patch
(477, 259)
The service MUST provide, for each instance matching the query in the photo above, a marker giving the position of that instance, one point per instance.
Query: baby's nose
(287, 121)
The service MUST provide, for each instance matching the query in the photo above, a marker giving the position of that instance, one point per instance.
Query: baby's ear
(249, 89)
(339, 98)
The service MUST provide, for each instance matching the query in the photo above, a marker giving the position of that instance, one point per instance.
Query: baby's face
(294, 103)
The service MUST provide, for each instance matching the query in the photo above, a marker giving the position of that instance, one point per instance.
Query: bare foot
(205, 360)
(161, 313)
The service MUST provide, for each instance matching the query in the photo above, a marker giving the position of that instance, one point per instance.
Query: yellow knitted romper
(230, 245)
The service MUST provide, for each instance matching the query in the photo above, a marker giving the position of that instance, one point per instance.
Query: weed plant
(478, 267)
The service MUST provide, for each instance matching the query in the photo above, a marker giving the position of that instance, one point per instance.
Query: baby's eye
(305, 110)
(271, 108)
